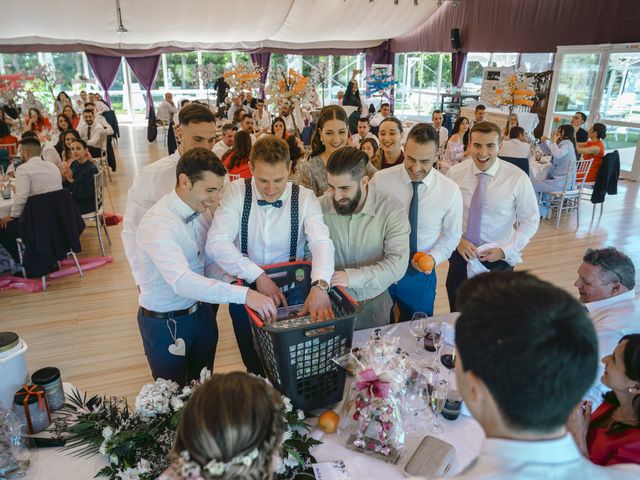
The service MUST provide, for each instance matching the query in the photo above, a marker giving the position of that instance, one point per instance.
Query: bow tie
(277, 203)
(191, 217)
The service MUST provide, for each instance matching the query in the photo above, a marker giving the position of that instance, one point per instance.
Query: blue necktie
(277, 203)
(413, 220)
(191, 217)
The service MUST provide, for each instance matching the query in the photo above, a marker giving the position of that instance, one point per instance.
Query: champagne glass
(438, 397)
(416, 401)
(418, 327)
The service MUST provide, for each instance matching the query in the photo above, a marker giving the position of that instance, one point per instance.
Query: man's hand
(491, 255)
(262, 305)
(466, 249)
(4, 221)
(266, 286)
(317, 305)
(340, 279)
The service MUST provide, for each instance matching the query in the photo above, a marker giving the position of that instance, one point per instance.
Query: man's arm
(319, 240)
(96, 130)
(527, 214)
(451, 232)
(23, 188)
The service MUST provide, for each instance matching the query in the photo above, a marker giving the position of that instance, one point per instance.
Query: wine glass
(418, 327)
(438, 397)
(433, 339)
(448, 356)
(416, 400)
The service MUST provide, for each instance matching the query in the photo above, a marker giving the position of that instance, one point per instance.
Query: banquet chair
(521, 163)
(12, 148)
(568, 198)
(97, 215)
(43, 278)
(103, 162)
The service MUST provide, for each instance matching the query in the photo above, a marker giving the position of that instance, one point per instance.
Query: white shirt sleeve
(23, 188)
(528, 218)
(320, 244)
(51, 155)
(558, 151)
(451, 230)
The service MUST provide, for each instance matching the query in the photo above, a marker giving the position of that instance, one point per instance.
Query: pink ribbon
(370, 381)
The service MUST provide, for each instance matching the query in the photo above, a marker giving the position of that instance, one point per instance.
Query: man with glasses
(606, 281)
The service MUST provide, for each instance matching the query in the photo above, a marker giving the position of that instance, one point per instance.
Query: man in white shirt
(91, 132)
(178, 326)
(370, 233)
(97, 119)
(266, 220)
(197, 129)
(363, 132)
(522, 367)
(48, 153)
(101, 105)
(433, 205)
(442, 134)
(248, 125)
(33, 177)
(236, 104)
(516, 146)
(606, 282)
(478, 114)
(385, 112)
(496, 196)
(228, 133)
(167, 108)
(262, 117)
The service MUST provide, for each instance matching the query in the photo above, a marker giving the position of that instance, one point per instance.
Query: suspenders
(246, 210)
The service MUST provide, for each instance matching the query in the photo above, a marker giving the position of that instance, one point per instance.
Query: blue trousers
(244, 338)
(415, 292)
(200, 334)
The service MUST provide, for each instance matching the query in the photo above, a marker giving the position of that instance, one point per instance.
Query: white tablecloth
(5, 206)
(538, 171)
(465, 434)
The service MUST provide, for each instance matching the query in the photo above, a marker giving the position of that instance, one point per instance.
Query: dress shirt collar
(560, 450)
(428, 180)
(593, 307)
(178, 206)
(284, 197)
(492, 171)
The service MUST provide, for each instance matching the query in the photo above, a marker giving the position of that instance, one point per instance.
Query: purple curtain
(105, 69)
(458, 64)
(262, 59)
(145, 70)
(380, 55)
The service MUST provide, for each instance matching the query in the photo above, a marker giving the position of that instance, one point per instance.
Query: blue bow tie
(277, 203)
(191, 217)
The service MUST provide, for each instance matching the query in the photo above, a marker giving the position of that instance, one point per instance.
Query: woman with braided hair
(230, 429)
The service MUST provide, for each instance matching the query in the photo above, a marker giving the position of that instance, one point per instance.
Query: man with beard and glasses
(370, 233)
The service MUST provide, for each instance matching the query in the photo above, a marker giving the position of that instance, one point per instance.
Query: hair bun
(604, 135)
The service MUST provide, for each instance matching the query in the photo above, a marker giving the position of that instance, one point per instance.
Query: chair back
(521, 163)
(98, 188)
(12, 148)
(581, 172)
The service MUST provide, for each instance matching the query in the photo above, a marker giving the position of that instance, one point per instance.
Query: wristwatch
(321, 284)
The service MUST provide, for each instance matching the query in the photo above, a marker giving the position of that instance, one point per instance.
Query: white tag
(179, 348)
(335, 470)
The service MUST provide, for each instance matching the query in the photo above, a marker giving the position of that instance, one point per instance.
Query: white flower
(176, 403)
(300, 415)
(143, 466)
(103, 448)
(287, 435)
(107, 433)
(154, 398)
(186, 391)
(287, 404)
(214, 468)
(291, 461)
(129, 474)
(113, 460)
(205, 374)
(280, 468)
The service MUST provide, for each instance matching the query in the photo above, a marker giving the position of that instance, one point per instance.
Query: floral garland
(137, 442)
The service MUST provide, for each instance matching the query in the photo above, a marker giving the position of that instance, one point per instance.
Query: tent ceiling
(212, 24)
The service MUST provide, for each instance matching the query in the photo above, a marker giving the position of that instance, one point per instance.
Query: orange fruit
(426, 263)
(328, 421)
(418, 255)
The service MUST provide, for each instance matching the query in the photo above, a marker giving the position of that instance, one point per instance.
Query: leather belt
(176, 313)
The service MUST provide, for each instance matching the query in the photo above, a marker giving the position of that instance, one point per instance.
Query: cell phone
(433, 458)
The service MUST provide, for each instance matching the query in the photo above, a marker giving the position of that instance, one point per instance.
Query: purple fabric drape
(380, 55)
(145, 70)
(458, 64)
(262, 60)
(105, 69)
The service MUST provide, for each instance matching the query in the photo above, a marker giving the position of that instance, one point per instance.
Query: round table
(6, 261)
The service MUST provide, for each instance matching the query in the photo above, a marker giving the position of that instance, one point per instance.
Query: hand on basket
(267, 287)
(318, 306)
(262, 305)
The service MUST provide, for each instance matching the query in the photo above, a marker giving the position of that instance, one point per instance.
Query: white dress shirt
(152, 183)
(515, 148)
(439, 208)
(170, 255)
(356, 139)
(50, 154)
(510, 200)
(559, 459)
(264, 121)
(443, 135)
(220, 148)
(613, 318)
(165, 110)
(269, 234)
(96, 131)
(97, 119)
(377, 119)
(101, 106)
(33, 178)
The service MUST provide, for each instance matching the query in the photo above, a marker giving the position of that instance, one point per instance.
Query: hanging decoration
(320, 76)
(514, 91)
(243, 77)
(209, 73)
(380, 81)
(288, 88)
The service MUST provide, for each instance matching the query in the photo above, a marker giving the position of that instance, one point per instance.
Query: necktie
(88, 132)
(437, 140)
(413, 220)
(191, 217)
(478, 200)
(277, 203)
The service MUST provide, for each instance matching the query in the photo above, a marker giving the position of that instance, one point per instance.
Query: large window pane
(474, 73)
(576, 82)
(504, 59)
(621, 94)
(536, 62)
(625, 140)
(182, 73)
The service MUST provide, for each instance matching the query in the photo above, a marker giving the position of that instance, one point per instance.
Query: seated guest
(7, 139)
(67, 139)
(98, 119)
(49, 152)
(228, 134)
(478, 114)
(611, 434)
(577, 121)
(236, 105)
(231, 428)
(606, 281)
(77, 177)
(63, 123)
(385, 112)
(166, 109)
(287, 113)
(442, 133)
(9, 113)
(458, 141)
(61, 100)
(101, 105)
(71, 115)
(513, 122)
(236, 160)
(522, 366)
(183, 103)
(370, 147)
(90, 131)
(516, 146)
(296, 153)
(248, 125)
(390, 138)
(262, 117)
(249, 102)
(36, 122)
(82, 100)
(35, 176)
(363, 132)
(594, 149)
(238, 117)
(370, 233)
(279, 128)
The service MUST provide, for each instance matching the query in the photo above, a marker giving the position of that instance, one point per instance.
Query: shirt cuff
(511, 256)
(251, 273)
(238, 294)
(354, 277)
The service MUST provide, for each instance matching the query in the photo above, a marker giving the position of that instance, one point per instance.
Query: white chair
(568, 198)
(21, 248)
(97, 215)
(103, 162)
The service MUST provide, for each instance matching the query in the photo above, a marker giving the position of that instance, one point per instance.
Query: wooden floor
(87, 326)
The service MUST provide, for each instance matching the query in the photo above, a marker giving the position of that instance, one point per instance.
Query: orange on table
(328, 421)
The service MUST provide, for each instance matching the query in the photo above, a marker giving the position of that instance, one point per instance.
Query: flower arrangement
(243, 77)
(137, 441)
(208, 74)
(380, 81)
(288, 87)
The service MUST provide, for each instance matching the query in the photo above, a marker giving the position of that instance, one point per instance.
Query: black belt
(176, 313)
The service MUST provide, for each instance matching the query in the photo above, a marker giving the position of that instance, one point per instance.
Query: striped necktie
(478, 201)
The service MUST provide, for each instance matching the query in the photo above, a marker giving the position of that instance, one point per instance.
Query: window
(621, 93)
(576, 82)
(536, 62)
(474, 72)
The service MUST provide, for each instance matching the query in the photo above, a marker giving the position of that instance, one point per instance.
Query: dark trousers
(95, 152)
(200, 334)
(415, 292)
(242, 330)
(8, 237)
(457, 274)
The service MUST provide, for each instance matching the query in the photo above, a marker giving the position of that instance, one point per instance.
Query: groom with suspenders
(266, 220)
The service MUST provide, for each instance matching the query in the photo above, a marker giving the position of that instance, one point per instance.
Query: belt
(176, 313)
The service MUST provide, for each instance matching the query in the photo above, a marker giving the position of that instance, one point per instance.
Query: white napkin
(474, 266)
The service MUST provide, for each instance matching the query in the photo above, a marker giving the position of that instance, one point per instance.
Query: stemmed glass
(448, 356)
(434, 337)
(418, 327)
(438, 397)
(416, 399)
